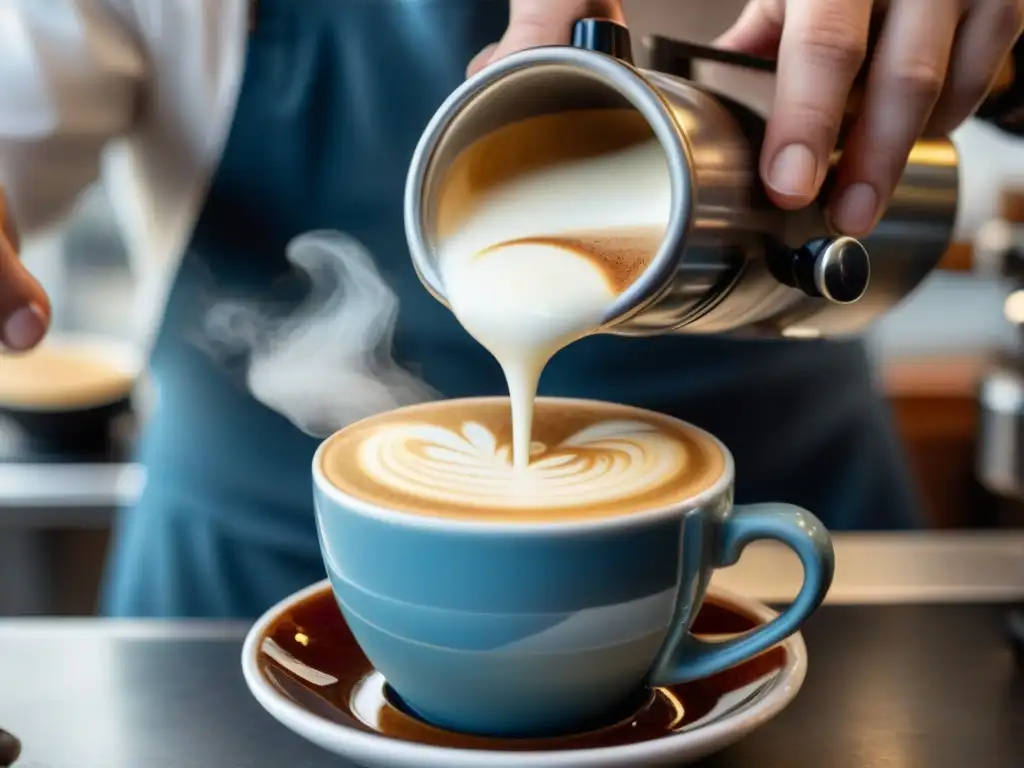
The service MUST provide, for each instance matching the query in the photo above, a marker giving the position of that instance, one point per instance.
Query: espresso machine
(731, 262)
(999, 252)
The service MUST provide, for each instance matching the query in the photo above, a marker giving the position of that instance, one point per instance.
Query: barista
(247, 123)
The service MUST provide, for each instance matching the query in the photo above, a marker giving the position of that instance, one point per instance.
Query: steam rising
(329, 363)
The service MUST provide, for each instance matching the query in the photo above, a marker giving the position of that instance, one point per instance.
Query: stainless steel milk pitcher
(730, 261)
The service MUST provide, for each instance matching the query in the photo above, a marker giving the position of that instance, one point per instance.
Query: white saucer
(304, 668)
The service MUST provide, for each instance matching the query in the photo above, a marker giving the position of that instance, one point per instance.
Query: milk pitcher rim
(618, 76)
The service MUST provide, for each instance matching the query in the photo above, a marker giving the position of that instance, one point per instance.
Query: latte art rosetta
(607, 461)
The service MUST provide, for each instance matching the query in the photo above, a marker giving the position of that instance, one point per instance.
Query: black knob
(604, 36)
(834, 268)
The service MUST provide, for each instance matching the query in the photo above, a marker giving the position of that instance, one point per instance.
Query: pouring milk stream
(543, 223)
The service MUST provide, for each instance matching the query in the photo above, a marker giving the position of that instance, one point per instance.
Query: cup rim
(504, 527)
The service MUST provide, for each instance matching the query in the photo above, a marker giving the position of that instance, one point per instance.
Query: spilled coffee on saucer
(541, 226)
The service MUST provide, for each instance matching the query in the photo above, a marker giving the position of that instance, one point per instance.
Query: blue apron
(335, 95)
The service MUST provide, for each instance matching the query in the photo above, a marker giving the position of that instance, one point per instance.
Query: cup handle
(689, 657)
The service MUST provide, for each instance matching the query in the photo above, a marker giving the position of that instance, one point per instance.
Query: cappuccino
(453, 459)
(541, 225)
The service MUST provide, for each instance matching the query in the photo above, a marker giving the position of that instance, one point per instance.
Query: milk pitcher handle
(692, 657)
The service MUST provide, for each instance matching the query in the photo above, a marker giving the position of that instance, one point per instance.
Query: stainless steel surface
(887, 687)
(189, 630)
(536, 82)
(997, 248)
(999, 252)
(32, 490)
(96, 693)
(894, 568)
(727, 259)
(1000, 460)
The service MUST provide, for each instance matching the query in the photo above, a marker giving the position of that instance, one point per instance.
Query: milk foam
(589, 459)
(608, 461)
(524, 301)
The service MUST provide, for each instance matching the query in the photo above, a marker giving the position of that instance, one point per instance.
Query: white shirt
(157, 82)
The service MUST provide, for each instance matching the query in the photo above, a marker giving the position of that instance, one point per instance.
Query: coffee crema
(453, 459)
(52, 377)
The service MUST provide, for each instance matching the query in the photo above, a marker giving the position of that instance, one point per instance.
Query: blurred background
(930, 355)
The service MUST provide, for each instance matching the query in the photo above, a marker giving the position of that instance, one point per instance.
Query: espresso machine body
(999, 252)
(730, 262)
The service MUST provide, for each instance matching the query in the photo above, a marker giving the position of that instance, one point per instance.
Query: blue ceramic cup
(529, 629)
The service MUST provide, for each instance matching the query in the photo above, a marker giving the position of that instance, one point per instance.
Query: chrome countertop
(84, 485)
(915, 625)
(70, 485)
(74, 495)
(882, 568)
(888, 685)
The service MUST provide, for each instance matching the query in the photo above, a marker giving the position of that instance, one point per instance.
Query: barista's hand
(533, 23)
(932, 66)
(24, 307)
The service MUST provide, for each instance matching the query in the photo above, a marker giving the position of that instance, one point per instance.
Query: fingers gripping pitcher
(728, 260)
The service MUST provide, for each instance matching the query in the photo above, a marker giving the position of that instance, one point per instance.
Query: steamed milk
(542, 224)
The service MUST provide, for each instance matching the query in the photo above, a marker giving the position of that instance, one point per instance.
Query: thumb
(481, 60)
(534, 23)
(24, 306)
(758, 30)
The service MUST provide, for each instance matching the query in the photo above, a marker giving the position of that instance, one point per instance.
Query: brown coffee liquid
(452, 459)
